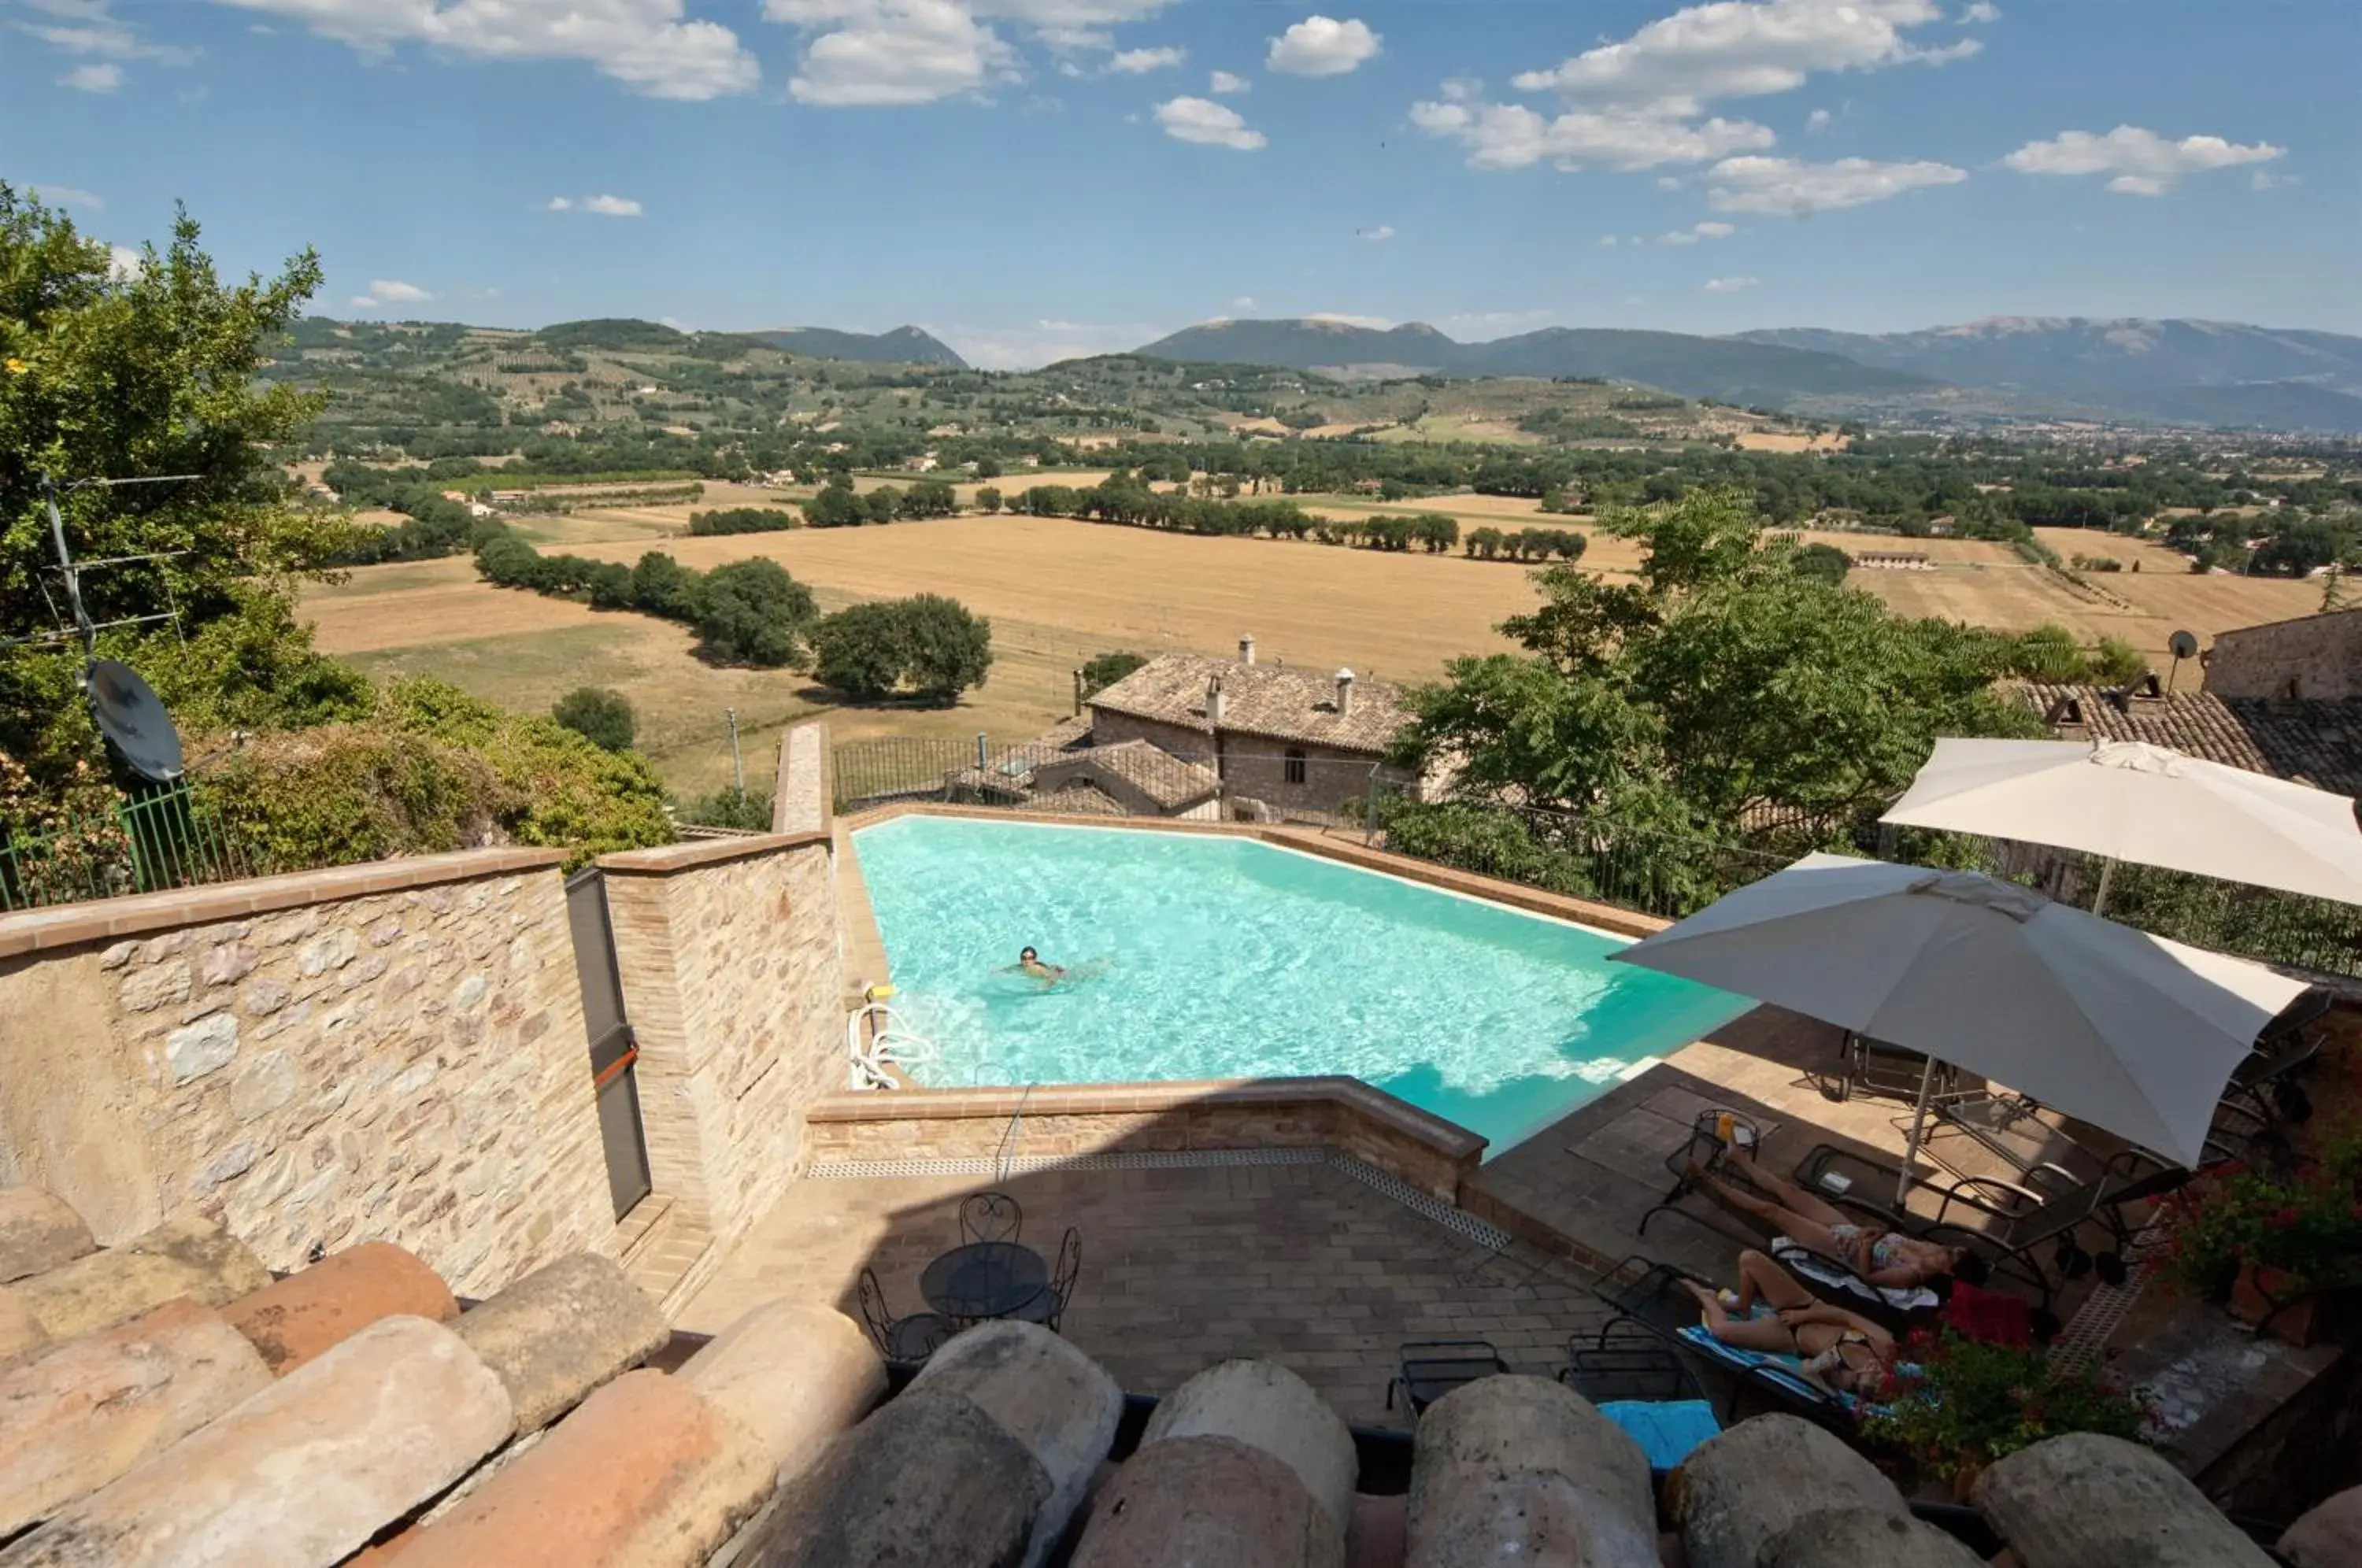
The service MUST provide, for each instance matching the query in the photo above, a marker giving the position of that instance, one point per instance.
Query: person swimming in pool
(1029, 964)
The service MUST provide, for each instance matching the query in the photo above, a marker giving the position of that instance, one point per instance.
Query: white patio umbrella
(2130, 801)
(2124, 1029)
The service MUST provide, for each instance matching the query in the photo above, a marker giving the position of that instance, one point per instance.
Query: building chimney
(1214, 702)
(1246, 649)
(1345, 692)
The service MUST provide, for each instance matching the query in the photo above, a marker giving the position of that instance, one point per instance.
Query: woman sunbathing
(1885, 1258)
(1776, 1315)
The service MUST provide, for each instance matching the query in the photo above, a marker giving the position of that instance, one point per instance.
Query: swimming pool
(1201, 956)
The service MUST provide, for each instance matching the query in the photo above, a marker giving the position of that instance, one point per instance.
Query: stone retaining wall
(1057, 1121)
(391, 1052)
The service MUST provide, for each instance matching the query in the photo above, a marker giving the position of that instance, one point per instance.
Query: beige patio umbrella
(2126, 1031)
(2130, 801)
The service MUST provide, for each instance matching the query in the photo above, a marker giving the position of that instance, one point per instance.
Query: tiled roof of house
(2314, 742)
(1270, 700)
(169, 1403)
(1171, 782)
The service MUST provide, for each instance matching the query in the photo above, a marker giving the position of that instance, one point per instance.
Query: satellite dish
(132, 718)
(2183, 645)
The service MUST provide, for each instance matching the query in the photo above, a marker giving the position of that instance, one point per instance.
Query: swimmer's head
(1029, 956)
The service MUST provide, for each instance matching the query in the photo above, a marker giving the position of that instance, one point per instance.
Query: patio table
(983, 1280)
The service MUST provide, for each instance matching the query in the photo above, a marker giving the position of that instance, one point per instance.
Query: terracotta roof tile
(1265, 700)
(2316, 743)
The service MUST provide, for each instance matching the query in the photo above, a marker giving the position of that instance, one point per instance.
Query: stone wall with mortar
(1056, 1122)
(2316, 658)
(390, 1053)
(730, 956)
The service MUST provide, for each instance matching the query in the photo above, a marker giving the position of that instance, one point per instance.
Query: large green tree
(145, 370)
(1722, 680)
(752, 611)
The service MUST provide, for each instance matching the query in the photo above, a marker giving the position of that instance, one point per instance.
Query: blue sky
(1032, 178)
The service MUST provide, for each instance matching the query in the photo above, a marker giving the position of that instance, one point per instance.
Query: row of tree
(744, 520)
(1526, 544)
(839, 506)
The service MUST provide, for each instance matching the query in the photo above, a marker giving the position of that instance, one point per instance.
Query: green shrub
(929, 645)
(754, 613)
(602, 717)
(1970, 1404)
(728, 809)
(1103, 670)
(343, 793)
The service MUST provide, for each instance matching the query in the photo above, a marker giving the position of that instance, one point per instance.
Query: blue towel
(1665, 1432)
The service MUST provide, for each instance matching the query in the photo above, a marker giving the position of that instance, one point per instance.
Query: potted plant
(1963, 1405)
(2281, 1252)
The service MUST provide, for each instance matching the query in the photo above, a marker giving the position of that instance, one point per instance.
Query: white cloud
(1728, 285)
(1209, 124)
(88, 29)
(1223, 82)
(70, 196)
(383, 291)
(1817, 121)
(910, 52)
(611, 206)
(1744, 49)
(1374, 322)
(1377, 235)
(1787, 185)
(1610, 241)
(1510, 136)
(1140, 61)
(1710, 229)
(1244, 302)
(561, 204)
(868, 52)
(650, 46)
(1981, 11)
(2141, 163)
(2264, 180)
(125, 264)
(1322, 46)
(102, 78)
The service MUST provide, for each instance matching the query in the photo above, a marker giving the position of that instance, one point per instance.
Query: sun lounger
(1654, 1296)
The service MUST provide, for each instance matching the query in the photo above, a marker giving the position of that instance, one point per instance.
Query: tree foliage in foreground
(926, 645)
(1723, 681)
(109, 372)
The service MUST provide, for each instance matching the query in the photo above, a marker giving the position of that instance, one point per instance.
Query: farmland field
(1059, 590)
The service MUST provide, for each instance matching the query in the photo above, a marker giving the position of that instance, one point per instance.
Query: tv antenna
(2182, 646)
(123, 706)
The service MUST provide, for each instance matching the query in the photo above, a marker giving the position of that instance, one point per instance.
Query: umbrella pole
(1910, 1145)
(2107, 875)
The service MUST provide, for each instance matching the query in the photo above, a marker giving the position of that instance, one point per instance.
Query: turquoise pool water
(1202, 956)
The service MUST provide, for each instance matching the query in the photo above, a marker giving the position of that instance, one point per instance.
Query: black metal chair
(1431, 1368)
(1708, 1150)
(991, 1217)
(1049, 1309)
(1655, 1299)
(1868, 1066)
(909, 1339)
(1628, 1361)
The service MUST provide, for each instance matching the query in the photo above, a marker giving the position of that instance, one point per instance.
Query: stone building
(2316, 743)
(1293, 740)
(2312, 658)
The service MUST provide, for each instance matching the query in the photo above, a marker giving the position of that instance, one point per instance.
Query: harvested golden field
(1058, 591)
(1784, 441)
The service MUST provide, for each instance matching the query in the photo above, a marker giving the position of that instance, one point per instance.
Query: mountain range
(903, 345)
(2198, 373)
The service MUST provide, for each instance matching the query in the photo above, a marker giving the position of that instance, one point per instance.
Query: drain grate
(2096, 1321)
(1459, 1222)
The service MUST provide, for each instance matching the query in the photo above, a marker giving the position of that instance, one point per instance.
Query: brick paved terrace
(1301, 1263)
